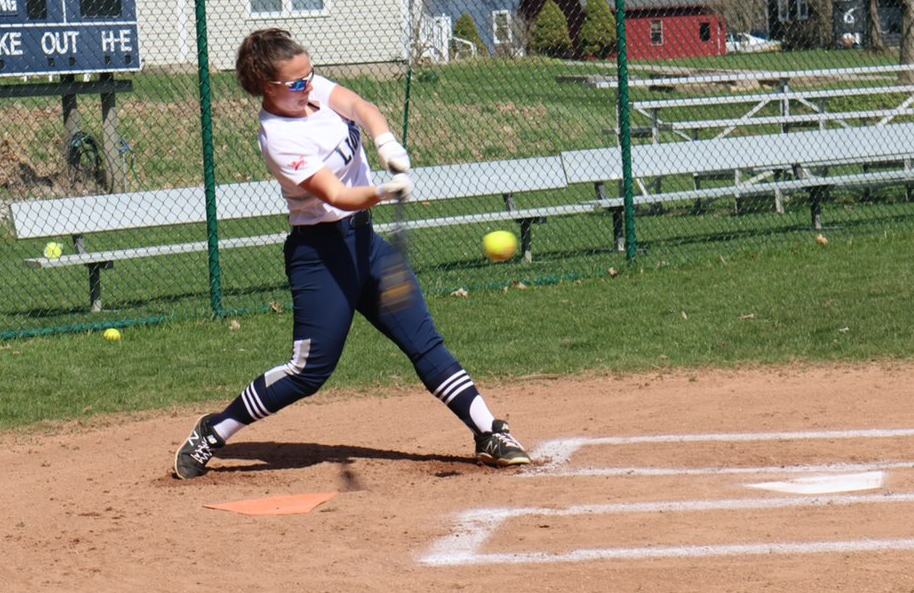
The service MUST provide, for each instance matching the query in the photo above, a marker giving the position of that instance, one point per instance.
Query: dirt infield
(645, 499)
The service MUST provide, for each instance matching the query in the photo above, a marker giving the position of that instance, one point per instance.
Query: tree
(465, 28)
(743, 16)
(550, 32)
(598, 35)
(874, 29)
(906, 53)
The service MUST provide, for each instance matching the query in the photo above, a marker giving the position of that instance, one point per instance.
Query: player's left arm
(353, 107)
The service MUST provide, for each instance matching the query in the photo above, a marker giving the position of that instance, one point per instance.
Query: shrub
(465, 28)
(598, 35)
(550, 32)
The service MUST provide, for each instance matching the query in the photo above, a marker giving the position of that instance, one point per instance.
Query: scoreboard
(68, 37)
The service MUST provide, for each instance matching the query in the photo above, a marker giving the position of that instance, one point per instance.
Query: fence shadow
(150, 302)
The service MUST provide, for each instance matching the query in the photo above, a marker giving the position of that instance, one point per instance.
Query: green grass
(445, 259)
(847, 301)
(466, 111)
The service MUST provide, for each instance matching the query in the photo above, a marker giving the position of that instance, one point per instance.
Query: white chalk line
(674, 552)
(473, 529)
(774, 469)
(559, 451)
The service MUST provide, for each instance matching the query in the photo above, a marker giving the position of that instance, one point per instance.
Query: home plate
(292, 504)
(826, 484)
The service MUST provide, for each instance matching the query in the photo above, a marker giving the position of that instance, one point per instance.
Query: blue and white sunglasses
(297, 86)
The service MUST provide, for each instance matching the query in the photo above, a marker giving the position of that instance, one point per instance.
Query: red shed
(664, 29)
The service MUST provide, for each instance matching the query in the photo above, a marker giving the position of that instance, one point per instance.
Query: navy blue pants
(334, 270)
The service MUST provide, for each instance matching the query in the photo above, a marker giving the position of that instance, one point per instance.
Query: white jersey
(295, 148)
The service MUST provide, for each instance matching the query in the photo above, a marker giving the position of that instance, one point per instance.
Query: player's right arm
(294, 159)
(325, 186)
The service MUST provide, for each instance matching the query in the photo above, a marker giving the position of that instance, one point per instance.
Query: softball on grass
(499, 245)
(53, 250)
(112, 334)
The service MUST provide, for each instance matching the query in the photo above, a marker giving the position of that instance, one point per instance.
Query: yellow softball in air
(112, 334)
(499, 245)
(53, 250)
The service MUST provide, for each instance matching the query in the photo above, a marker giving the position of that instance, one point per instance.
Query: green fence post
(209, 168)
(625, 135)
(409, 84)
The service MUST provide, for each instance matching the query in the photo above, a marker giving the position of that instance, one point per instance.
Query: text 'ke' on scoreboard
(68, 37)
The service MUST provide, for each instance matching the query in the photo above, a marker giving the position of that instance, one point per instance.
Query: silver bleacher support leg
(907, 187)
(824, 193)
(826, 190)
(657, 185)
(95, 286)
(778, 196)
(95, 275)
(655, 126)
(618, 217)
(526, 231)
(815, 207)
(526, 239)
(737, 179)
(510, 204)
(619, 228)
(95, 279)
(784, 87)
(698, 207)
(815, 197)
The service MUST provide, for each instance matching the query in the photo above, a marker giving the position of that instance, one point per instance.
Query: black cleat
(498, 448)
(192, 456)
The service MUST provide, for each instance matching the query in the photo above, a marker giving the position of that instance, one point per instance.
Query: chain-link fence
(132, 188)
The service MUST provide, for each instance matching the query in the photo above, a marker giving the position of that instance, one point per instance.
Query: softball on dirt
(499, 245)
(112, 334)
(53, 250)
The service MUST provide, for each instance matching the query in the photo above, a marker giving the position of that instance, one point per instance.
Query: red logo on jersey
(299, 164)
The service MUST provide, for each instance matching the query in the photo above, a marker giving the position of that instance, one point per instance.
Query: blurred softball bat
(396, 284)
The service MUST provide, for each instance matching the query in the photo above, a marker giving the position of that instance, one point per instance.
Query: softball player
(310, 137)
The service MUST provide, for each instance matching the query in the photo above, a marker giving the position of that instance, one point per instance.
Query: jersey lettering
(351, 144)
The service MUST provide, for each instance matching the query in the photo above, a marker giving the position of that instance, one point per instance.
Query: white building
(334, 31)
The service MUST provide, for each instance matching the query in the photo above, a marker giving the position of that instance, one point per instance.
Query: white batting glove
(392, 154)
(398, 188)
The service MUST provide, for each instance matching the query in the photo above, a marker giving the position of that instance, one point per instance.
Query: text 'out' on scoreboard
(68, 37)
